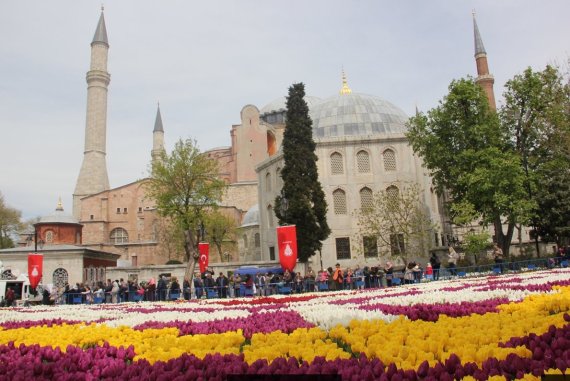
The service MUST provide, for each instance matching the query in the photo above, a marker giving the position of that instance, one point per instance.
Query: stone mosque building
(361, 146)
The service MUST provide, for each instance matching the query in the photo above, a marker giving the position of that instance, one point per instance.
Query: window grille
(268, 182)
(389, 160)
(337, 167)
(393, 193)
(363, 161)
(370, 245)
(60, 277)
(366, 199)
(343, 248)
(339, 201)
(119, 235)
(397, 244)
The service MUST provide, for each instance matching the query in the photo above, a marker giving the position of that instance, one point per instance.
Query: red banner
(204, 250)
(35, 268)
(287, 242)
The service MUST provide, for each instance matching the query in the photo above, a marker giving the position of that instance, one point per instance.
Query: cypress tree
(306, 206)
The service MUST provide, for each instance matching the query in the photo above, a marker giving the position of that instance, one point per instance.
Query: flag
(204, 250)
(287, 242)
(35, 268)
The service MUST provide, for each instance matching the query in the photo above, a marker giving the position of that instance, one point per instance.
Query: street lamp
(41, 242)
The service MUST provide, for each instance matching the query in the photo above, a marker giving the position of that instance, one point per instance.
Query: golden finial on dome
(345, 89)
(59, 204)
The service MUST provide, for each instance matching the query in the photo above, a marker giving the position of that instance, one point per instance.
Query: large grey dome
(280, 104)
(356, 115)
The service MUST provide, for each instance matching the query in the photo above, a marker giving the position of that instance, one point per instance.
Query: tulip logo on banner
(287, 242)
(35, 267)
(204, 250)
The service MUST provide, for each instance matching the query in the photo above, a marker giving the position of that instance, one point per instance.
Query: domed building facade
(361, 148)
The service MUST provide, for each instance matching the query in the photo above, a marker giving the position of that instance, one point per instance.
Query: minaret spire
(101, 31)
(479, 47)
(93, 176)
(484, 78)
(157, 137)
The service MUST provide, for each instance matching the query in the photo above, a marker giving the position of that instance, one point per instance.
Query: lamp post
(41, 242)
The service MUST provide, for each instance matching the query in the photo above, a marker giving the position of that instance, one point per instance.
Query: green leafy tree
(10, 223)
(536, 118)
(221, 229)
(467, 153)
(475, 244)
(397, 216)
(307, 207)
(186, 187)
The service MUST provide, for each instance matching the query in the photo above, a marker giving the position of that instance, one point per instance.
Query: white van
(21, 287)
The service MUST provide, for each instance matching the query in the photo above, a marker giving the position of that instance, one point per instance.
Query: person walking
(452, 258)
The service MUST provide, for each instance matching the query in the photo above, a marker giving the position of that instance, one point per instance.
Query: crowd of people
(208, 285)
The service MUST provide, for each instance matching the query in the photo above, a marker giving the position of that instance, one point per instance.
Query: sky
(205, 60)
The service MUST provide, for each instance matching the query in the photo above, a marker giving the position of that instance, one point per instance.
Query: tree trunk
(192, 256)
(503, 240)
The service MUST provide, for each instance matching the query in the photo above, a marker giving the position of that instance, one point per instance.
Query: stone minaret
(484, 78)
(93, 176)
(157, 137)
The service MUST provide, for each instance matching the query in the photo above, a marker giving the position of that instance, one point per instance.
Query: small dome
(58, 217)
(251, 218)
(280, 104)
(356, 115)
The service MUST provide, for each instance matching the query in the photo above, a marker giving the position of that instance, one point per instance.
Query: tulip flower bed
(503, 327)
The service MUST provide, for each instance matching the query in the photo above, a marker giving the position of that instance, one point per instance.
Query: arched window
(366, 200)
(60, 277)
(339, 201)
(393, 194)
(270, 216)
(363, 161)
(245, 241)
(257, 240)
(389, 160)
(119, 235)
(337, 167)
(268, 182)
(49, 236)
